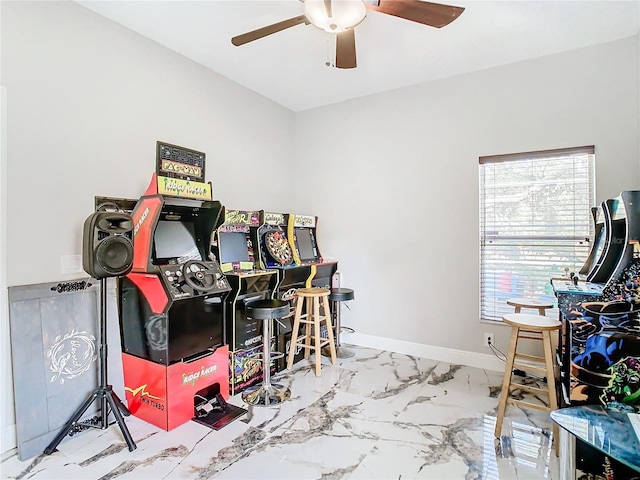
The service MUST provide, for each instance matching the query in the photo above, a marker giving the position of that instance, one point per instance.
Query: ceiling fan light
(345, 14)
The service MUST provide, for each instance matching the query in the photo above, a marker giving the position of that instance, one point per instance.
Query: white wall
(397, 176)
(7, 422)
(86, 102)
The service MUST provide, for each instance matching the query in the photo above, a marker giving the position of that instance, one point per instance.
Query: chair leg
(508, 371)
(307, 327)
(332, 343)
(317, 338)
(551, 381)
(294, 333)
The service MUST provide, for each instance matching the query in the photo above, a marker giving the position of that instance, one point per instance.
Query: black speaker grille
(115, 255)
(107, 244)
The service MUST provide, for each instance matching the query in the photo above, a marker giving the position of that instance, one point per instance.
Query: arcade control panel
(194, 278)
(576, 287)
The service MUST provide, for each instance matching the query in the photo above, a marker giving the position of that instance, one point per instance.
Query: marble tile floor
(377, 415)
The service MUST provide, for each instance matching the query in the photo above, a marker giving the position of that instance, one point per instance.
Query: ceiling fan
(342, 16)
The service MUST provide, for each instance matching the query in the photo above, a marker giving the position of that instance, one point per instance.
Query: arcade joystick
(575, 280)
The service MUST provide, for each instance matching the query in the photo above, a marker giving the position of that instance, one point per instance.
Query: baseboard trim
(449, 355)
(9, 439)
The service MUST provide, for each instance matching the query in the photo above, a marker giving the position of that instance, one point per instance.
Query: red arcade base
(167, 396)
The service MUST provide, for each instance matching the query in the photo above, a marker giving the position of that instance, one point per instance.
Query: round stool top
(531, 322)
(341, 294)
(312, 292)
(267, 309)
(529, 303)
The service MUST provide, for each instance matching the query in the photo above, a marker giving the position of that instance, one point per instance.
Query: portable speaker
(107, 244)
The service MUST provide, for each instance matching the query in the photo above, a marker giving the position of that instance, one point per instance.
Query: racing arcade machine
(171, 305)
(233, 245)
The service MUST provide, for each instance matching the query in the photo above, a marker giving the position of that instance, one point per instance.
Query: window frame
(491, 304)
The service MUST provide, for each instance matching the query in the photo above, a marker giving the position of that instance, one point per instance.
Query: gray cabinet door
(55, 342)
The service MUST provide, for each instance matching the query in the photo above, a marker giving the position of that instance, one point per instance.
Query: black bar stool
(268, 393)
(336, 297)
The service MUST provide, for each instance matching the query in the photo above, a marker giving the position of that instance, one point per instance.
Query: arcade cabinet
(599, 352)
(597, 243)
(608, 242)
(174, 357)
(233, 245)
(302, 230)
(275, 252)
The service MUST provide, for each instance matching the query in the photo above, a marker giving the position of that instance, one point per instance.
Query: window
(535, 223)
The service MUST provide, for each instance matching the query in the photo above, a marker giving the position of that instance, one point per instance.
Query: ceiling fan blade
(426, 13)
(346, 49)
(268, 30)
(327, 8)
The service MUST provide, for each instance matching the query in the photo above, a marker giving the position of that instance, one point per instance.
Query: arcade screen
(305, 242)
(175, 241)
(612, 252)
(597, 249)
(233, 247)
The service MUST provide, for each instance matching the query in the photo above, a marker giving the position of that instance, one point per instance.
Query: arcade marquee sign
(180, 172)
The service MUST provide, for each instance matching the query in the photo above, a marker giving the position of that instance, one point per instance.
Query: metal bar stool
(309, 300)
(524, 323)
(268, 393)
(336, 297)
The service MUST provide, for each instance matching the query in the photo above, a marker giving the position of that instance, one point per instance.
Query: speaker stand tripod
(104, 393)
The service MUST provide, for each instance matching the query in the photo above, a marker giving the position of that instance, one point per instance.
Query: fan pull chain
(331, 51)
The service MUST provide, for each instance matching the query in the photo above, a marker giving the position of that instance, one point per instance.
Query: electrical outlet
(488, 339)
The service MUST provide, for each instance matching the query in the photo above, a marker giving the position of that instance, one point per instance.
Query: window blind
(535, 223)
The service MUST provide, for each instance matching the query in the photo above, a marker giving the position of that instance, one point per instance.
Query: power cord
(516, 371)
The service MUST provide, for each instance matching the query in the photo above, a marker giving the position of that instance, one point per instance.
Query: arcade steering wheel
(202, 278)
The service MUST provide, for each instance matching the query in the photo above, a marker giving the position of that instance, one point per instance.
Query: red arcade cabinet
(171, 306)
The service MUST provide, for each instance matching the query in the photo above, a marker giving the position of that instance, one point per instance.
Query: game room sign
(180, 172)
(176, 187)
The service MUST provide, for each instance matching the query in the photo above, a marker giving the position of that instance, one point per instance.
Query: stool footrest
(529, 337)
(321, 318)
(257, 357)
(533, 358)
(528, 388)
(522, 403)
(325, 341)
(524, 367)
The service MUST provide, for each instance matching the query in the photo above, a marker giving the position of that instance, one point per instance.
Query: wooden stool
(529, 323)
(520, 303)
(310, 299)
(535, 304)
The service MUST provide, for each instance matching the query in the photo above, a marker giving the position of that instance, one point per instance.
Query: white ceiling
(289, 67)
